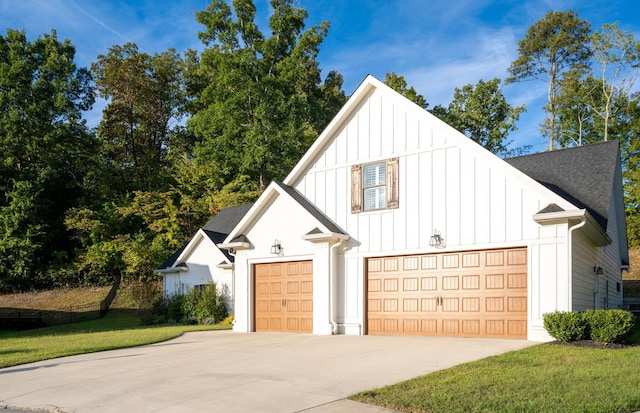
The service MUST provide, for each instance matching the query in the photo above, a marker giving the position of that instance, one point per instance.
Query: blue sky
(436, 45)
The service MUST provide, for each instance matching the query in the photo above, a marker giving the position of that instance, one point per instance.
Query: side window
(374, 186)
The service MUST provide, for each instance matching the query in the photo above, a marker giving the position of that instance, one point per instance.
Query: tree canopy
(257, 108)
(44, 156)
(553, 45)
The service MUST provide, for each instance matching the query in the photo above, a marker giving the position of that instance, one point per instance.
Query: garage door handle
(284, 302)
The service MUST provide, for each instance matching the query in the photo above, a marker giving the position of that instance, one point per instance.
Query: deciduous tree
(45, 150)
(553, 45)
(256, 98)
(482, 113)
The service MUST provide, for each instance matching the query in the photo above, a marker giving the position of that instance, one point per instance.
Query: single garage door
(467, 294)
(284, 297)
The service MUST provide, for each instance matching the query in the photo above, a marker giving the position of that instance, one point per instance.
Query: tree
(631, 170)
(618, 55)
(256, 99)
(553, 45)
(45, 152)
(575, 123)
(482, 113)
(398, 84)
(145, 102)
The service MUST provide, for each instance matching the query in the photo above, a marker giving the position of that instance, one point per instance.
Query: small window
(618, 287)
(374, 186)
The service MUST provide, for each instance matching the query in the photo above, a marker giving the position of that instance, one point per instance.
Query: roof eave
(594, 230)
(235, 245)
(325, 236)
(171, 270)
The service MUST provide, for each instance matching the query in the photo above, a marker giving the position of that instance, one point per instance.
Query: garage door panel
(470, 327)
(284, 302)
(494, 281)
(429, 304)
(471, 294)
(517, 280)
(471, 282)
(450, 283)
(429, 283)
(410, 305)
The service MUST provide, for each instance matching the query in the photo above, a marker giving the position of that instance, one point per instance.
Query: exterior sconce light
(598, 270)
(276, 248)
(436, 240)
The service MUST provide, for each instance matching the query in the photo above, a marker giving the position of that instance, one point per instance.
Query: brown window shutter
(392, 183)
(356, 189)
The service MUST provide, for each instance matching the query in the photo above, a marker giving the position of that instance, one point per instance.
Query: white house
(395, 223)
(199, 261)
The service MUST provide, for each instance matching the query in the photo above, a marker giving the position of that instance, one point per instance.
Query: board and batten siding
(446, 183)
(471, 197)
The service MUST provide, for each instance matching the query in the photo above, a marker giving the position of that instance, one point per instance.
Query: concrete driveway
(221, 371)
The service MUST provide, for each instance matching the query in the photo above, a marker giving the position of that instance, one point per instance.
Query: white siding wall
(447, 183)
(584, 259)
(202, 263)
(287, 222)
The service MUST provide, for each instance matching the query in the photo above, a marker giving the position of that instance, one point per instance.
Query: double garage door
(284, 297)
(467, 294)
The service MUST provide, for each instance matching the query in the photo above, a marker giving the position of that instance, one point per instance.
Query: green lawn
(118, 329)
(542, 378)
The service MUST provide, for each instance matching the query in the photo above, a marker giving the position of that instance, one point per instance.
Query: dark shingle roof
(216, 229)
(227, 219)
(309, 207)
(583, 175)
(172, 259)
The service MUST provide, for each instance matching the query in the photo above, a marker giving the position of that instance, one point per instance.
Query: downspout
(583, 221)
(232, 253)
(332, 283)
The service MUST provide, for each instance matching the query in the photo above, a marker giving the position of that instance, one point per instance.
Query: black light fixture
(436, 240)
(598, 270)
(276, 248)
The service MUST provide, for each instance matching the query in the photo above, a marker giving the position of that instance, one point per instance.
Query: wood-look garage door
(284, 297)
(467, 294)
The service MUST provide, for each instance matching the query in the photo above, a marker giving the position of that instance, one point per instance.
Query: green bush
(565, 326)
(199, 306)
(608, 326)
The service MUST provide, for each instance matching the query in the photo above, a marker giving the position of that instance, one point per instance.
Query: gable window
(374, 186)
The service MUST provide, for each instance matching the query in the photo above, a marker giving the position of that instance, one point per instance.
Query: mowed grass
(542, 378)
(118, 329)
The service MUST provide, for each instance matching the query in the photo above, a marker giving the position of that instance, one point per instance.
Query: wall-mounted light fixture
(436, 240)
(276, 248)
(598, 270)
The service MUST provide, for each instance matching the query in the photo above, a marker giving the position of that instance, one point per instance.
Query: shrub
(199, 306)
(608, 326)
(565, 326)
(228, 321)
(204, 306)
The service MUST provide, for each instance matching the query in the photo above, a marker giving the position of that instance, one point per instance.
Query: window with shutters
(374, 186)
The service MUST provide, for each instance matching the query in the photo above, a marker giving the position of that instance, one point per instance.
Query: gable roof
(216, 230)
(311, 208)
(582, 175)
(273, 190)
